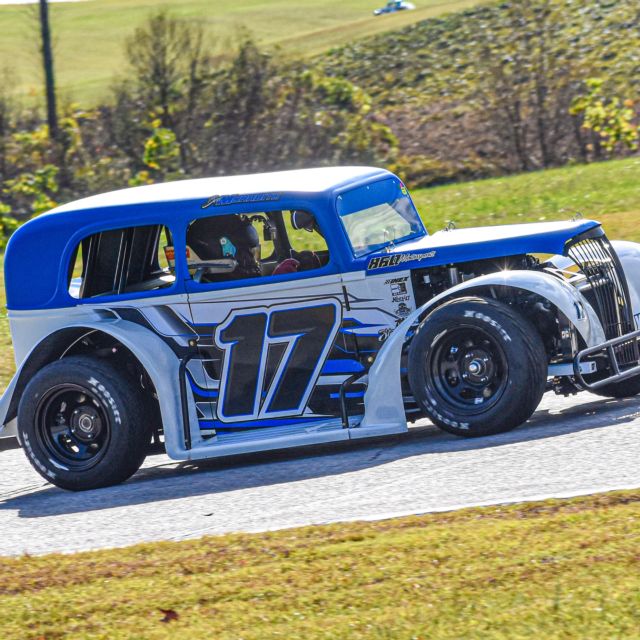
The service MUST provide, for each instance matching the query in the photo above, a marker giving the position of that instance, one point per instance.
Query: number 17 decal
(273, 357)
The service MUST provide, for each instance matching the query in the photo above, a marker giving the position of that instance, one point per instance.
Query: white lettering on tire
(34, 458)
(481, 316)
(101, 390)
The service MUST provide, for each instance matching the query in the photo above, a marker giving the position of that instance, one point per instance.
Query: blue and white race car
(239, 314)
(392, 6)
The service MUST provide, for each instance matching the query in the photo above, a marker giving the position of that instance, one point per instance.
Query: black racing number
(244, 338)
(272, 358)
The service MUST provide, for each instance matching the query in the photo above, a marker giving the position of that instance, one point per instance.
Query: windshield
(378, 215)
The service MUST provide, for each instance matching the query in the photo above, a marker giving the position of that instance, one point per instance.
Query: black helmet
(243, 234)
(220, 236)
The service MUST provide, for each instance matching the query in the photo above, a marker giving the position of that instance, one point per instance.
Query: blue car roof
(309, 181)
(38, 253)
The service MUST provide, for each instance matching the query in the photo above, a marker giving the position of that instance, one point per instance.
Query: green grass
(438, 60)
(89, 36)
(557, 569)
(608, 191)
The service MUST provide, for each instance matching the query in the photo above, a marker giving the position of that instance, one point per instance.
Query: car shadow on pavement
(168, 480)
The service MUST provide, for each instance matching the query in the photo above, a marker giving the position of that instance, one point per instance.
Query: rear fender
(161, 364)
(383, 399)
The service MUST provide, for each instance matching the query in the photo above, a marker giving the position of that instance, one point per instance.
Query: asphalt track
(573, 446)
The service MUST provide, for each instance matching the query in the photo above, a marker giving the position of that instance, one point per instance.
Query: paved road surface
(571, 446)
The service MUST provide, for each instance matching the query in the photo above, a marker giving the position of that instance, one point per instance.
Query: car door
(269, 344)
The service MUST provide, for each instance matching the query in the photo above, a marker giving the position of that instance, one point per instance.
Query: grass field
(606, 191)
(89, 36)
(558, 569)
(609, 192)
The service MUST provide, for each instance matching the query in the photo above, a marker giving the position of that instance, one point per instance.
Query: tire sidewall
(506, 330)
(121, 405)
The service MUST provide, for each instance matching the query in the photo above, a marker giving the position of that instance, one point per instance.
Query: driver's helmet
(225, 237)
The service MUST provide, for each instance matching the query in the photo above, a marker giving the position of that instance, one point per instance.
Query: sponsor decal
(399, 289)
(403, 310)
(392, 281)
(399, 293)
(221, 201)
(382, 262)
(383, 334)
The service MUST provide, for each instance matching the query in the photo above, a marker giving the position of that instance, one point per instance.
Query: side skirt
(301, 435)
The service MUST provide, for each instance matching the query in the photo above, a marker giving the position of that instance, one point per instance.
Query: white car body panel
(372, 299)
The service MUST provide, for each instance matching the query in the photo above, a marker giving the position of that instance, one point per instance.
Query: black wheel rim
(468, 369)
(73, 427)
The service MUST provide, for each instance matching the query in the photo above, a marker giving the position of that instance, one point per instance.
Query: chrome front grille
(605, 287)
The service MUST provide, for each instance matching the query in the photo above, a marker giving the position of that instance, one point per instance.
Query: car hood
(463, 245)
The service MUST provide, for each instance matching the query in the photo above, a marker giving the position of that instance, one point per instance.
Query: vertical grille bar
(607, 289)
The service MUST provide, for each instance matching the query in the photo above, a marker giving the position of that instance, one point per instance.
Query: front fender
(383, 399)
(161, 364)
(629, 255)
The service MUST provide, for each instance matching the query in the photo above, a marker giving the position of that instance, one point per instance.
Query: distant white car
(394, 5)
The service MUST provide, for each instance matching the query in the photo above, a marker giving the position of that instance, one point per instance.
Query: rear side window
(121, 261)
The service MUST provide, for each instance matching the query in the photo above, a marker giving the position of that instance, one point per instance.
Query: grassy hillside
(608, 191)
(89, 36)
(440, 58)
(558, 569)
(605, 191)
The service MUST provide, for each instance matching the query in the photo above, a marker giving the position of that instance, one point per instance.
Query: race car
(231, 315)
(392, 6)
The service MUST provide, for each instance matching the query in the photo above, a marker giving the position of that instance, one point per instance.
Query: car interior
(219, 249)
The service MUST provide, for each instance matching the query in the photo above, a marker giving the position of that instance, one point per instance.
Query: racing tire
(82, 424)
(477, 367)
(624, 389)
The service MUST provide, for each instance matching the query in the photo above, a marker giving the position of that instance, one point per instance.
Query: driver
(223, 238)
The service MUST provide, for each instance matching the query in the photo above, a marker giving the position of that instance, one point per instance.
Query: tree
(527, 77)
(612, 119)
(182, 115)
(170, 67)
(49, 77)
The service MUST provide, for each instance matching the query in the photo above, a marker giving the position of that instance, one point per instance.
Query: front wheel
(477, 367)
(82, 424)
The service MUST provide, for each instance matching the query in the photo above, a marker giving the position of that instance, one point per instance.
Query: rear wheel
(82, 424)
(477, 367)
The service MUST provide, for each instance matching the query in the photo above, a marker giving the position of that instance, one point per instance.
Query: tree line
(180, 113)
(505, 87)
(522, 100)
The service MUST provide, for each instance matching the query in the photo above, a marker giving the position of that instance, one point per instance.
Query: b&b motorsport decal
(381, 262)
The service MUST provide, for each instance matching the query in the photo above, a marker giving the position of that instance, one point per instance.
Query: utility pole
(47, 60)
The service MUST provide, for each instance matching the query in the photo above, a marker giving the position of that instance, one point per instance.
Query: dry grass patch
(556, 569)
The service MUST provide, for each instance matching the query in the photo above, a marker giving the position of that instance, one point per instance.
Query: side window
(224, 248)
(121, 261)
(307, 244)
(166, 261)
(76, 271)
